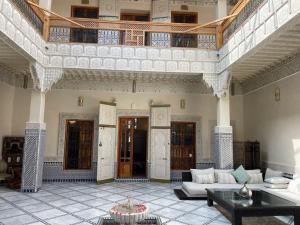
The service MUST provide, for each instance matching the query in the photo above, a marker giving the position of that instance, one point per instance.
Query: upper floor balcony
(188, 34)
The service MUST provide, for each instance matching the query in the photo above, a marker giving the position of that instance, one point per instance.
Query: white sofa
(192, 189)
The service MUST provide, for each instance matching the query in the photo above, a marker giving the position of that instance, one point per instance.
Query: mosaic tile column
(35, 134)
(223, 151)
(32, 174)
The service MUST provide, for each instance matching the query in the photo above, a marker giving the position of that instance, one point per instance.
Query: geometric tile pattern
(223, 152)
(54, 171)
(207, 41)
(60, 34)
(33, 159)
(85, 203)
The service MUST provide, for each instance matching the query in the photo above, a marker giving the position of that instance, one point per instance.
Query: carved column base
(223, 152)
(32, 174)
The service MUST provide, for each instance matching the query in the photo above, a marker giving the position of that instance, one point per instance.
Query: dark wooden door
(183, 145)
(79, 144)
(132, 147)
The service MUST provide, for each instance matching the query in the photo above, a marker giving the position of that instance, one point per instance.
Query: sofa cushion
(194, 190)
(276, 186)
(241, 175)
(256, 178)
(277, 180)
(273, 173)
(226, 178)
(205, 178)
(194, 172)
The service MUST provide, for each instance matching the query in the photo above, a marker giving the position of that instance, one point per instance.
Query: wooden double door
(132, 149)
(183, 149)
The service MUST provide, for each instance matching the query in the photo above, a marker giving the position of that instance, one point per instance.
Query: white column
(35, 134)
(222, 8)
(223, 153)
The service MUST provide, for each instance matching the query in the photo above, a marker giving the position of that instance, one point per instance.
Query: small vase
(245, 192)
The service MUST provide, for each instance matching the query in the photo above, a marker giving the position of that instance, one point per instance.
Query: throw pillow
(277, 180)
(273, 173)
(253, 171)
(294, 186)
(217, 171)
(226, 178)
(195, 172)
(205, 178)
(256, 178)
(241, 175)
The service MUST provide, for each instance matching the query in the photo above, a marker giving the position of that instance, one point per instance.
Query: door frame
(65, 156)
(195, 140)
(119, 142)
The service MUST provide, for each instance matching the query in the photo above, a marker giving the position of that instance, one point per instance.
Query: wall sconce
(277, 94)
(182, 104)
(80, 101)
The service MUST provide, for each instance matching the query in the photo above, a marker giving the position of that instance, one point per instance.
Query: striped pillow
(256, 179)
(226, 178)
(205, 178)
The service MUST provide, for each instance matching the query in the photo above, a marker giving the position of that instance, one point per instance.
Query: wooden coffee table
(261, 204)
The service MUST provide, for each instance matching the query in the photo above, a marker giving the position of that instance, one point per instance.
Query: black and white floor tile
(85, 203)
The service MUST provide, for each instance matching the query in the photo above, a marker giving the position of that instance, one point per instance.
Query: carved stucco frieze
(218, 82)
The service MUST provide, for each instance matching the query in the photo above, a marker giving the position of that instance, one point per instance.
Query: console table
(261, 204)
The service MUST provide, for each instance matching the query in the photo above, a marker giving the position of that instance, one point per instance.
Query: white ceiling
(11, 59)
(284, 45)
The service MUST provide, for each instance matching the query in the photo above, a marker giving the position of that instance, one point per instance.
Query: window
(84, 35)
(184, 40)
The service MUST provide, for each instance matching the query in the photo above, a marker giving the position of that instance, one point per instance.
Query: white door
(106, 142)
(160, 160)
(160, 142)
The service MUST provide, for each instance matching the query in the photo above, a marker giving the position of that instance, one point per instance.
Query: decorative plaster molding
(219, 83)
(43, 78)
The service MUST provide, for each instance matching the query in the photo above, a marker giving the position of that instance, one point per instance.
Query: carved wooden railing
(35, 16)
(133, 33)
(243, 10)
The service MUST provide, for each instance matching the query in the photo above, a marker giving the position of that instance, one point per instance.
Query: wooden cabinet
(246, 154)
(12, 153)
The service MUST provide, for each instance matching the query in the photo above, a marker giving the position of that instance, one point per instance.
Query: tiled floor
(84, 203)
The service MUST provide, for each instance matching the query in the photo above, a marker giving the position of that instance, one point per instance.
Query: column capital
(223, 129)
(44, 77)
(218, 82)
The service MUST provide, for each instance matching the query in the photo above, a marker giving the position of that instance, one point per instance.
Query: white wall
(276, 125)
(6, 109)
(14, 111)
(196, 105)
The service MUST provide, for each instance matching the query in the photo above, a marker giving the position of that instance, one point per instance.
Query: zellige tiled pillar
(35, 133)
(223, 152)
